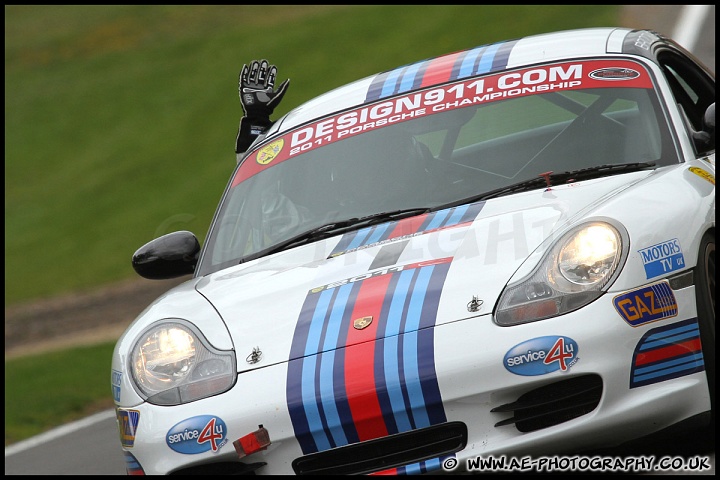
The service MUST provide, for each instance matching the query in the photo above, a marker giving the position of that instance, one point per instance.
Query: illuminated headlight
(172, 363)
(574, 272)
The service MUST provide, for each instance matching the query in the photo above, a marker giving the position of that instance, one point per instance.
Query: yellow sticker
(268, 153)
(702, 173)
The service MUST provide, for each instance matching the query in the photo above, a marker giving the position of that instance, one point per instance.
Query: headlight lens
(172, 363)
(572, 274)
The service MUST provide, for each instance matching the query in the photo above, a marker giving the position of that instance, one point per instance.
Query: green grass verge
(120, 120)
(44, 391)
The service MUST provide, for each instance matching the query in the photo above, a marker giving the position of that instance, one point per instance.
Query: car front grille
(553, 404)
(386, 452)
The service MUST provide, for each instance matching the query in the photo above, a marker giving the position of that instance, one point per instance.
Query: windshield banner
(473, 91)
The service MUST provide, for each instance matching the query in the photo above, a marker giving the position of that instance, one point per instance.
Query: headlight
(172, 363)
(572, 274)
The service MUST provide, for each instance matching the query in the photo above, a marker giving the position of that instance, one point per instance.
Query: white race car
(504, 251)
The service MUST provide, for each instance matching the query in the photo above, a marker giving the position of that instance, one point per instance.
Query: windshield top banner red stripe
(473, 91)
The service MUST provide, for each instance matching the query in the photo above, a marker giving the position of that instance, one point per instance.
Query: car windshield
(438, 146)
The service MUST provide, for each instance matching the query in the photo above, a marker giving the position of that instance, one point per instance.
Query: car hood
(421, 271)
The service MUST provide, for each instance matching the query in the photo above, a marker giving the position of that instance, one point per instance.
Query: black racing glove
(258, 99)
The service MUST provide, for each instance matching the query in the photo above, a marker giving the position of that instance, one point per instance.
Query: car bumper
(478, 388)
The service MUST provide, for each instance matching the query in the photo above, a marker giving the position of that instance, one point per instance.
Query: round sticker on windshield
(268, 153)
(614, 73)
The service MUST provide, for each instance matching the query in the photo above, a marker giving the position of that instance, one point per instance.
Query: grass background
(120, 123)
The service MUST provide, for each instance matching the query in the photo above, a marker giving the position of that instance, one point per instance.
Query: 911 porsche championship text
(448, 97)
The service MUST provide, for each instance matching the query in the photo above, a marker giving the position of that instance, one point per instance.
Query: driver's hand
(256, 88)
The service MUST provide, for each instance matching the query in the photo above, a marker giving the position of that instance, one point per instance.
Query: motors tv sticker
(198, 434)
(667, 352)
(115, 383)
(647, 304)
(662, 258)
(542, 355)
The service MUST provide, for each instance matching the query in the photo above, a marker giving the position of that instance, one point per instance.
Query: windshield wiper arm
(555, 179)
(335, 228)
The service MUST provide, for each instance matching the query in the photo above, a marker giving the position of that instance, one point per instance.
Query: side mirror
(172, 255)
(705, 139)
(709, 119)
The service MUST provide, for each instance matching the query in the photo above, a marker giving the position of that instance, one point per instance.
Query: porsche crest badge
(362, 322)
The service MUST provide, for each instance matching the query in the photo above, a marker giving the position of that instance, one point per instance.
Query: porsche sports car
(503, 251)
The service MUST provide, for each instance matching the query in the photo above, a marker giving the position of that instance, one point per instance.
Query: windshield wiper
(336, 228)
(555, 179)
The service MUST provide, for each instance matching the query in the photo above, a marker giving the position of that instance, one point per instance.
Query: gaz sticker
(647, 304)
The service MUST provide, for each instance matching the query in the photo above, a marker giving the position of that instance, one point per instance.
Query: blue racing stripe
(309, 387)
(426, 345)
(359, 238)
(503, 54)
(669, 340)
(391, 354)
(437, 219)
(468, 64)
(669, 336)
(378, 232)
(409, 78)
(457, 215)
(327, 365)
(376, 87)
(390, 85)
(692, 364)
(488, 56)
(410, 349)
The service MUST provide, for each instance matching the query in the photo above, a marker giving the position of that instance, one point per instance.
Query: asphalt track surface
(91, 446)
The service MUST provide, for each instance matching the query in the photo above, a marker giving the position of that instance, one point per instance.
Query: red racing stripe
(407, 226)
(360, 385)
(668, 352)
(440, 69)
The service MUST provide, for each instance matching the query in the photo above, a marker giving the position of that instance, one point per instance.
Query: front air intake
(553, 404)
(386, 452)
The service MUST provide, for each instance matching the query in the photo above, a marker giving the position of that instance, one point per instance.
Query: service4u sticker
(268, 153)
(541, 355)
(198, 434)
